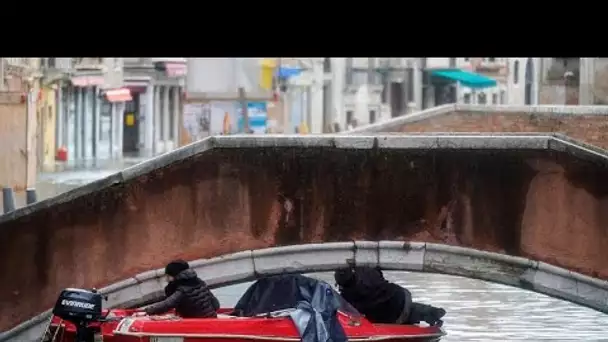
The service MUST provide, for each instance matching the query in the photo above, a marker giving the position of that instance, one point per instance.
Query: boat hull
(122, 327)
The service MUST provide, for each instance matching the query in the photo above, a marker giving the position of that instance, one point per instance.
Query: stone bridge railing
(389, 255)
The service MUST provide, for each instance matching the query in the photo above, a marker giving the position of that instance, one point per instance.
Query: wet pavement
(477, 310)
(68, 177)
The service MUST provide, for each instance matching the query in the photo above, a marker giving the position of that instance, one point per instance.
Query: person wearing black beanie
(186, 293)
(176, 267)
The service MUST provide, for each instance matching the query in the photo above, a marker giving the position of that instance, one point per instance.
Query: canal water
(482, 311)
(476, 310)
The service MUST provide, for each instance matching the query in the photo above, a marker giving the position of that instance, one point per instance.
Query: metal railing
(17, 61)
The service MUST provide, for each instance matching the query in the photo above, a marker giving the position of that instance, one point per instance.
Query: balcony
(54, 69)
(392, 64)
(20, 67)
(490, 65)
(88, 64)
(440, 63)
(17, 62)
(52, 63)
(168, 60)
(138, 62)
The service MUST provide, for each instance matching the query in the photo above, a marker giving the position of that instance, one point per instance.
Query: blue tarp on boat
(314, 305)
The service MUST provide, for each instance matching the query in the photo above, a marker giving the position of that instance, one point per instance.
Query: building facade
(108, 108)
(19, 85)
(216, 89)
(493, 67)
(524, 80)
(47, 120)
(372, 89)
(517, 81)
(151, 119)
(347, 92)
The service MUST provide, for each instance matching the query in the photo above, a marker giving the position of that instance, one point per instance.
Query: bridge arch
(388, 255)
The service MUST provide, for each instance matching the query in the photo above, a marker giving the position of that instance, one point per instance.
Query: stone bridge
(527, 209)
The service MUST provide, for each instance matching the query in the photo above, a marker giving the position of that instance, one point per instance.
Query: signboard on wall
(201, 120)
(258, 117)
(197, 120)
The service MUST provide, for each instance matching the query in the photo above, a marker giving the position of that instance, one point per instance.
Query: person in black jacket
(382, 301)
(186, 293)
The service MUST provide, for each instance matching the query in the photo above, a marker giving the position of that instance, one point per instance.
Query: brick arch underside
(147, 287)
(540, 205)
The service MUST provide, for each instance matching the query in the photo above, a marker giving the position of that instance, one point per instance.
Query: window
(491, 59)
(105, 119)
(372, 116)
(466, 59)
(410, 85)
(349, 71)
(172, 113)
(503, 96)
(349, 117)
(481, 98)
(371, 71)
(359, 78)
(494, 98)
(516, 72)
(327, 64)
(467, 98)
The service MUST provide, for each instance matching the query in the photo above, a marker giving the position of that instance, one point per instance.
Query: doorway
(445, 93)
(397, 99)
(130, 136)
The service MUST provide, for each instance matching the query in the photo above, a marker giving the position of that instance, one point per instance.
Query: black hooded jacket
(189, 296)
(378, 299)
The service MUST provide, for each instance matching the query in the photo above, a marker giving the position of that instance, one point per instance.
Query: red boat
(78, 317)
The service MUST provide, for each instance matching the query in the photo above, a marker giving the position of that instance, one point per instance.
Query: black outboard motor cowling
(80, 307)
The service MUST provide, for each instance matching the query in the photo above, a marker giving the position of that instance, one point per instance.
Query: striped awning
(118, 95)
(87, 81)
(176, 69)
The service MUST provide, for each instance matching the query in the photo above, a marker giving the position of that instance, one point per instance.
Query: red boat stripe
(196, 337)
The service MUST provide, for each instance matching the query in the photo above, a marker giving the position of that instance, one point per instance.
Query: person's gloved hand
(426, 313)
(434, 315)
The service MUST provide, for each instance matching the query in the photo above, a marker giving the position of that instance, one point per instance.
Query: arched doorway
(529, 77)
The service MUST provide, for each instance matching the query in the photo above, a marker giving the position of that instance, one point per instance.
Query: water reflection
(482, 311)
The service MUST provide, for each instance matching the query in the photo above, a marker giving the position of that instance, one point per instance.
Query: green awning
(467, 79)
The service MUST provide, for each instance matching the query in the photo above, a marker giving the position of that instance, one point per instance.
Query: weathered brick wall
(592, 129)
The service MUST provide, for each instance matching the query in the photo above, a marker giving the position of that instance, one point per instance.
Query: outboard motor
(80, 307)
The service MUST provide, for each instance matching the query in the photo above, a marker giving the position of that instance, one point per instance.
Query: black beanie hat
(344, 277)
(175, 267)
